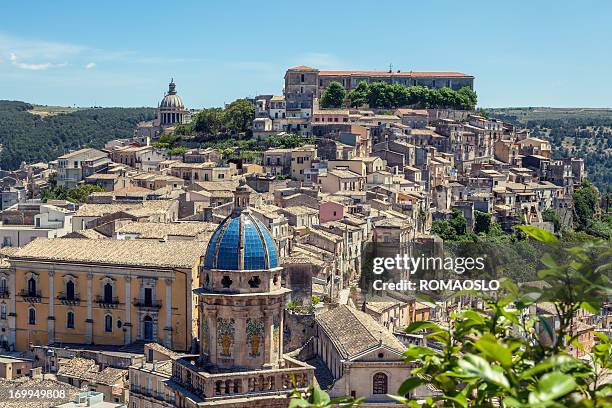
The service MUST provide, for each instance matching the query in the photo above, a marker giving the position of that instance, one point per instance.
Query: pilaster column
(281, 339)
(51, 317)
(11, 316)
(89, 321)
(241, 346)
(127, 325)
(268, 333)
(189, 318)
(168, 313)
(211, 315)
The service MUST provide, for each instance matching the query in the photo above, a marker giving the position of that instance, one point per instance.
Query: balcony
(142, 391)
(4, 293)
(222, 385)
(107, 302)
(32, 296)
(74, 300)
(147, 303)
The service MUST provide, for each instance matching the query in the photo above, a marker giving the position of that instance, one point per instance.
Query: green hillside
(585, 133)
(35, 133)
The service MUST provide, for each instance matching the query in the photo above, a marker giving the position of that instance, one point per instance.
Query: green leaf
(512, 402)
(298, 403)
(476, 366)
(471, 314)
(405, 401)
(551, 387)
(549, 261)
(319, 396)
(538, 233)
(418, 352)
(489, 345)
(409, 384)
(553, 362)
(459, 399)
(421, 325)
(590, 307)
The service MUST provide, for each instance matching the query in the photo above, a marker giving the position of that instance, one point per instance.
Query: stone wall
(298, 329)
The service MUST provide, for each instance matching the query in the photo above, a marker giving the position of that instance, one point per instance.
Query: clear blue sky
(123, 53)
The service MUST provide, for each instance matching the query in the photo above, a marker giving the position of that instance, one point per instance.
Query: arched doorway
(148, 328)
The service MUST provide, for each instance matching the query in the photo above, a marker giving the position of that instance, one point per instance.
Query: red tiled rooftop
(301, 68)
(395, 73)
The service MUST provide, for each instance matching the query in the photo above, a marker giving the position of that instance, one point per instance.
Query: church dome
(241, 242)
(171, 99)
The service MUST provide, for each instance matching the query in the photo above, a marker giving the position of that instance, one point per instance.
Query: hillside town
(200, 277)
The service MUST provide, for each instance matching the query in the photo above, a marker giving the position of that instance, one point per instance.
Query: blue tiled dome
(241, 242)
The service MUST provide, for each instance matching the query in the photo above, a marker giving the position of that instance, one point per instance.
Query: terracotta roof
(139, 252)
(158, 230)
(86, 369)
(161, 349)
(142, 208)
(353, 332)
(380, 307)
(301, 68)
(395, 73)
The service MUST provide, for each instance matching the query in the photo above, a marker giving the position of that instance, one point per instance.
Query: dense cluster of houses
(115, 296)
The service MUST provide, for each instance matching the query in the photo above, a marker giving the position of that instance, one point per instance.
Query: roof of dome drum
(171, 99)
(241, 242)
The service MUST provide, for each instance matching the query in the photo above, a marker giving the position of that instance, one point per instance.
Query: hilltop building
(303, 83)
(171, 109)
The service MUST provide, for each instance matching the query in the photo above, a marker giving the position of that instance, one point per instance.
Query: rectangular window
(148, 296)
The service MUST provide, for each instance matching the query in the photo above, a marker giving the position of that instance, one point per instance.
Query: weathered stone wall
(299, 328)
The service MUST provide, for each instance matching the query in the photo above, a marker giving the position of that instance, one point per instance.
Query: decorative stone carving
(225, 336)
(255, 333)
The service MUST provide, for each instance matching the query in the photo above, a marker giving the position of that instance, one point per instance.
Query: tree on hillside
(78, 194)
(482, 222)
(209, 121)
(167, 141)
(550, 215)
(239, 115)
(333, 96)
(359, 96)
(379, 96)
(586, 204)
(469, 96)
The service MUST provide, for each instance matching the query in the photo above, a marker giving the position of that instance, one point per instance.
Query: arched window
(3, 311)
(70, 320)
(108, 323)
(32, 287)
(32, 316)
(379, 383)
(70, 290)
(108, 293)
(3, 286)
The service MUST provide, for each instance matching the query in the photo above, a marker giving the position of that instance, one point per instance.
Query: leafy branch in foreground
(496, 356)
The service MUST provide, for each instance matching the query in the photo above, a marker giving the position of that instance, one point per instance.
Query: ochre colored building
(103, 292)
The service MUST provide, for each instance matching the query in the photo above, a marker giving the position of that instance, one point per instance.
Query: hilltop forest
(31, 137)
